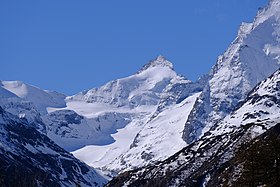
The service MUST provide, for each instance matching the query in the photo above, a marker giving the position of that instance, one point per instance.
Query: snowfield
(156, 140)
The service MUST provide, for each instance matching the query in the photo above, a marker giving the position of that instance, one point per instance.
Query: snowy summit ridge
(142, 88)
(160, 61)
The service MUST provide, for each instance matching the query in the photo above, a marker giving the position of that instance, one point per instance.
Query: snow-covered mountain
(30, 158)
(108, 127)
(22, 108)
(141, 120)
(42, 99)
(116, 118)
(252, 57)
(206, 161)
(28, 102)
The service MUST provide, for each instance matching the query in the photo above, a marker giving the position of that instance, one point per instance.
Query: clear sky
(73, 45)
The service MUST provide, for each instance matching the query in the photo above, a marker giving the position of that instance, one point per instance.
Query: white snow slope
(139, 144)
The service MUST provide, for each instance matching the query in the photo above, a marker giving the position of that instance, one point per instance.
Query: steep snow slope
(252, 57)
(198, 163)
(262, 104)
(30, 158)
(40, 98)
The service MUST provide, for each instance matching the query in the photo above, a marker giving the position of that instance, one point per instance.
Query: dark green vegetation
(256, 163)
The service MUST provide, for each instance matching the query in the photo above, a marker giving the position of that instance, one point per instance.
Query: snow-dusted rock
(261, 105)
(251, 58)
(30, 158)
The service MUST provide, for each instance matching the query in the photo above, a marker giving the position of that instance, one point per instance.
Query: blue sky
(70, 45)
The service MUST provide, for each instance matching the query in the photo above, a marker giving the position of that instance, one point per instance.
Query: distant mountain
(251, 58)
(223, 156)
(42, 99)
(30, 158)
(21, 108)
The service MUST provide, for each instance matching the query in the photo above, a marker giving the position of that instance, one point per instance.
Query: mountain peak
(160, 58)
(160, 61)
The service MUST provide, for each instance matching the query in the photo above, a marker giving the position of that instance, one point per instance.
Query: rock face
(223, 155)
(30, 158)
(251, 58)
